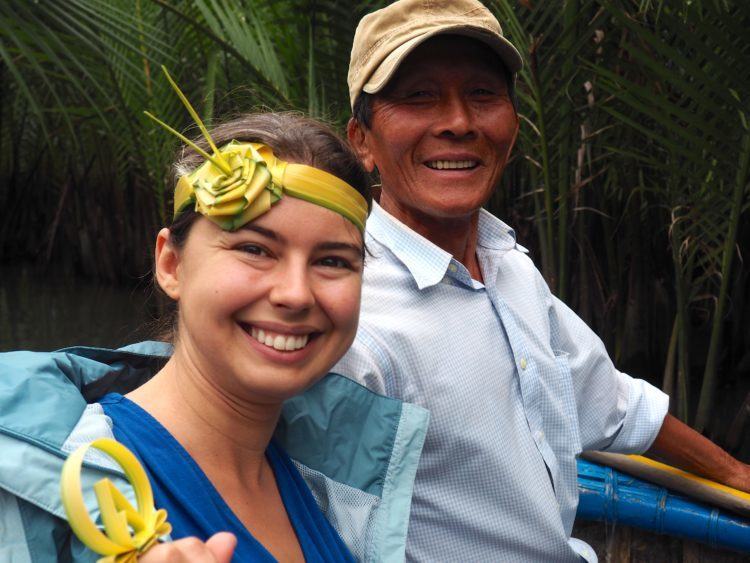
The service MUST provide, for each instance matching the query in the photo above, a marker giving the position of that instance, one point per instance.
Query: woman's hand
(218, 549)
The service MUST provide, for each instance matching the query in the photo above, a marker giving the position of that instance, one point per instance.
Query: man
(457, 319)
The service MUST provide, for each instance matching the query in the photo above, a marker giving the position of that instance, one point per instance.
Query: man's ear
(515, 134)
(513, 141)
(358, 139)
(167, 265)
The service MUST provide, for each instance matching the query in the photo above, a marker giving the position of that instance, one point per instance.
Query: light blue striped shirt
(516, 384)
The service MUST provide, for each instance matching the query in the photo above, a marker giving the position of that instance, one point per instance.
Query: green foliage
(636, 124)
(630, 179)
(78, 75)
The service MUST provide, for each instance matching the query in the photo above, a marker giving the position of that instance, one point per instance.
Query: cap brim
(504, 49)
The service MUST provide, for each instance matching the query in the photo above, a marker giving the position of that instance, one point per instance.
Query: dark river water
(47, 312)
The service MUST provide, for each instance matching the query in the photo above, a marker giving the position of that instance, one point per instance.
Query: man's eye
(483, 92)
(416, 94)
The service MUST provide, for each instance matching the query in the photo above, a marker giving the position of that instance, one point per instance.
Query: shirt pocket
(561, 413)
(553, 419)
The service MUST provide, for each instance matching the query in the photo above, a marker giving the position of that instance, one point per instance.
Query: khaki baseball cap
(385, 38)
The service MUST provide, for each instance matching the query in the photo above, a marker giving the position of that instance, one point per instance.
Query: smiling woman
(265, 308)
(280, 295)
(264, 263)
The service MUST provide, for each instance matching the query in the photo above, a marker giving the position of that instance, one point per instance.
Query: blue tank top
(195, 507)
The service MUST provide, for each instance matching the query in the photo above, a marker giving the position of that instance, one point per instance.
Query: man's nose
(456, 118)
(293, 288)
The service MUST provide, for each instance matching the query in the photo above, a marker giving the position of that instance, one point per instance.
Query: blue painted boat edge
(606, 494)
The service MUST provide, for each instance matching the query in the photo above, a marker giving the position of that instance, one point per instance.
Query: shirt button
(538, 435)
(453, 268)
(523, 363)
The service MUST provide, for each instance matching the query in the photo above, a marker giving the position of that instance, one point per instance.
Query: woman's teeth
(286, 342)
(451, 164)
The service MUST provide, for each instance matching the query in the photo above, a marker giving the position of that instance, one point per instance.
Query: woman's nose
(292, 289)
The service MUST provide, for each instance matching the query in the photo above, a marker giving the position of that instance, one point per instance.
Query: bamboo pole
(708, 388)
(681, 393)
(570, 19)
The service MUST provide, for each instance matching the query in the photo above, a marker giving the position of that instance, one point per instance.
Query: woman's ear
(357, 136)
(167, 265)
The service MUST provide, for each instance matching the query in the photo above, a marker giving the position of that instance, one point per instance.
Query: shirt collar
(427, 262)
(495, 234)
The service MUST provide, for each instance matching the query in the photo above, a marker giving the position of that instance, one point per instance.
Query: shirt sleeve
(616, 412)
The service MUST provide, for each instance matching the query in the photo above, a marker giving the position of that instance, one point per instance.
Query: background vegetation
(630, 180)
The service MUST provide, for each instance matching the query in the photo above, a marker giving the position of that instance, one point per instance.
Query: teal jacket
(358, 451)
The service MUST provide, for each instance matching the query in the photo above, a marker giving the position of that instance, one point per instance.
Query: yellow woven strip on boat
(689, 476)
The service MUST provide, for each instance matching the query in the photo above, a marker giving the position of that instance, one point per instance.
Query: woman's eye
(253, 249)
(335, 262)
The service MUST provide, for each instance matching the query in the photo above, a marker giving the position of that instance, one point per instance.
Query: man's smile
(452, 164)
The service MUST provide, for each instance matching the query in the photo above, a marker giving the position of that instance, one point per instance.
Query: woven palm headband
(240, 181)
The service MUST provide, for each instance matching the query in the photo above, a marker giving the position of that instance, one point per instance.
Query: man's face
(441, 131)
